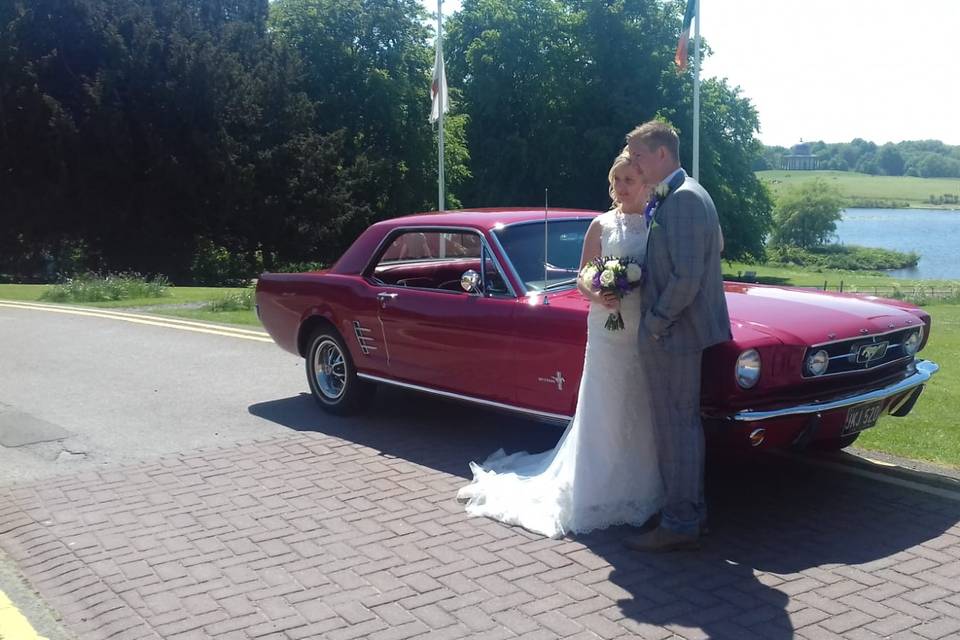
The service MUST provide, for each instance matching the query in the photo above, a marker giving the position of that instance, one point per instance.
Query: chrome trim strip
(366, 342)
(540, 220)
(846, 356)
(484, 252)
(906, 327)
(456, 396)
(383, 332)
(809, 376)
(509, 263)
(394, 233)
(923, 371)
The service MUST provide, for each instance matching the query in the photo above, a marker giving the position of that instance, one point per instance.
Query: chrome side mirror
(470, 281)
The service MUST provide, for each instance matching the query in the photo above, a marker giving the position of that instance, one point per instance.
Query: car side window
(434, 259)
(460, 244)
(406, 247)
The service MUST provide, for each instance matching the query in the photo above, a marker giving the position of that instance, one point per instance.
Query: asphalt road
(90, 389)
(98, 390)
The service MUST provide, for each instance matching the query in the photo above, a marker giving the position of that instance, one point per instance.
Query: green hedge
(92, 287)
(847, 257)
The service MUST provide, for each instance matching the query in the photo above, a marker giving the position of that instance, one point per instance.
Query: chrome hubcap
(329, 370)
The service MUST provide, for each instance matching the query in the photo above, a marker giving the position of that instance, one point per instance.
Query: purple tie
(648, 211)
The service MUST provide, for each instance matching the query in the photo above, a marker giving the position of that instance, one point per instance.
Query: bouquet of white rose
(616, 275)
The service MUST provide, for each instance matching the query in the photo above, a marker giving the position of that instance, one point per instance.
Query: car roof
(356, 258)
(484, 218)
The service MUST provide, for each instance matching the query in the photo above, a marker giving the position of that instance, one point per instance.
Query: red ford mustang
(465, 305)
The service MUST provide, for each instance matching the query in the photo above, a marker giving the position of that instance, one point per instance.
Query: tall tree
(891, 160)
(728, 147)
(552, 87)
(367, 65)
(516, 65)
(37, 129)
(140, 131)
(806, 215)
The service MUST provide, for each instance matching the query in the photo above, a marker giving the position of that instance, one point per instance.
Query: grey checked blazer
(682, 287)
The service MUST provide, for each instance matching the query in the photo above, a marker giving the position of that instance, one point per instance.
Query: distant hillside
(917, 158)
(863, 190)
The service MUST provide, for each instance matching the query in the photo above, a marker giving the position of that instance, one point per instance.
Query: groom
(684, 312)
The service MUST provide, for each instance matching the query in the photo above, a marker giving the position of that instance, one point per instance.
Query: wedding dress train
(603, 470)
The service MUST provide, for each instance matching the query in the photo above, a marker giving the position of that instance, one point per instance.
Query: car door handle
(384, 297)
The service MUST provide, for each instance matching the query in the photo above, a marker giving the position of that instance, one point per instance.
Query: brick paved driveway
(342, 529)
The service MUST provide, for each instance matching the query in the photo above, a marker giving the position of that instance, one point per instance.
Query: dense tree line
(920, 158)
(208, 139)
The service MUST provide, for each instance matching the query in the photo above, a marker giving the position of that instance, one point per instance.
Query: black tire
(835, 444)
(332, 376)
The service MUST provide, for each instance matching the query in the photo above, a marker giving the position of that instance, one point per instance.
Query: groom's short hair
(657, 133)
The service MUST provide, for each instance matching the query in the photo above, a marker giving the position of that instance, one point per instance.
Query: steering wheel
(451, 285)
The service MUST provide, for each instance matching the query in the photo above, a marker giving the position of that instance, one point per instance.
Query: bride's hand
(608, 300)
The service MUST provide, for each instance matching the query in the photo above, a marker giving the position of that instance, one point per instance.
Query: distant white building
(800, 159)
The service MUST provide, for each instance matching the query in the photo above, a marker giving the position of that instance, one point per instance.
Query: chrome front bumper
(923, 370)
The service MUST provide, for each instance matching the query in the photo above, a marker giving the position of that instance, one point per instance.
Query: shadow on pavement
(779, 527)
(438, 433)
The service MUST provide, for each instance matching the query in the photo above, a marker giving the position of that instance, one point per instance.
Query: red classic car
(481, 306)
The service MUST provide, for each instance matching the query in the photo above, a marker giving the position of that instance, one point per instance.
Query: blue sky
(834, 70)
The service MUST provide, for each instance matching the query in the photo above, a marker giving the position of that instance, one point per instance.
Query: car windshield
(523, 244)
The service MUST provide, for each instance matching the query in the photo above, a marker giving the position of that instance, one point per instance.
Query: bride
(604, 470)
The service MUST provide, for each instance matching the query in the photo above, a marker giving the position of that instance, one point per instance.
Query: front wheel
(332, 377)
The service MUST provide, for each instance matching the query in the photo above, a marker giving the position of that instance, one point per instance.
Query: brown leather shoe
(661, 539)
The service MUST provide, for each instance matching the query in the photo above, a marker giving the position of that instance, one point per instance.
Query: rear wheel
(835, 444)
(331, 375)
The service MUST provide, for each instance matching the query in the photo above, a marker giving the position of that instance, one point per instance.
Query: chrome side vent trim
(367, 344)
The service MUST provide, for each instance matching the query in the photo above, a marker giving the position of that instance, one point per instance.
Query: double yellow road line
(136, 318)
(13, 624)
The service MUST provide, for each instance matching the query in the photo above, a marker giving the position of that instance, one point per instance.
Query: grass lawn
(160, 306)
(24, 292)
(930, 432)
(860, 281)
(906, 189)
(245, 317)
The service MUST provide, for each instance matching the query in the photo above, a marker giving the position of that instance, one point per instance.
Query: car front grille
(861, 354)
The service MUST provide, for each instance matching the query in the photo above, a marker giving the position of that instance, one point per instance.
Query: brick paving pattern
(355, 533)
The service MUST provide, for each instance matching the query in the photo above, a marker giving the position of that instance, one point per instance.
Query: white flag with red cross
(438, 89)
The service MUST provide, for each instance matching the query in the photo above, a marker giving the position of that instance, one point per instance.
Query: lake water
(933, 233)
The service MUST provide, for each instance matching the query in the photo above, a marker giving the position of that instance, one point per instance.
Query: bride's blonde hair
(619, 161)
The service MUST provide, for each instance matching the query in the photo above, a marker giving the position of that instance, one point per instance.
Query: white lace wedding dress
(604, 470)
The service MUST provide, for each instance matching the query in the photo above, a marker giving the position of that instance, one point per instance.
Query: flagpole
(440, 181)
(696, 94)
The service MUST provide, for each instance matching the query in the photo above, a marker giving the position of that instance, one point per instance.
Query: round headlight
(912, 343)
(818, 362)
(748, 368)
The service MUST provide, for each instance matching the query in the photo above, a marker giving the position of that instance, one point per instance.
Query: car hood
(797, 316)
(791, 316)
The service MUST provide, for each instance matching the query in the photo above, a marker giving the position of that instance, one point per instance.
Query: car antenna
(546, 236)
